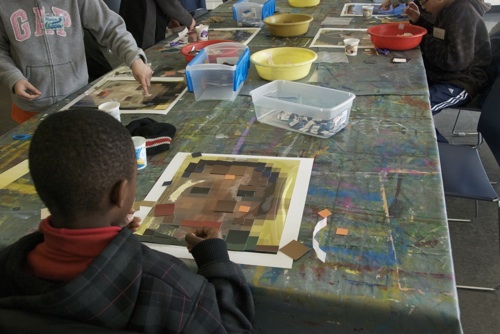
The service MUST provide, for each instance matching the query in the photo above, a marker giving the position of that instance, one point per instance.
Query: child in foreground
(85, 264)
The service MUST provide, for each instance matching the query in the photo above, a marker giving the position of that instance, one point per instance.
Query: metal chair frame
(466, 178)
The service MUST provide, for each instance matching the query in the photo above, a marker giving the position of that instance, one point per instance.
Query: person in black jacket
(456, 50)
(147, 20)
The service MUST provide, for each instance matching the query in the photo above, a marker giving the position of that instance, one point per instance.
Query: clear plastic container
(304, 108)
(250, 13)
(218, 71)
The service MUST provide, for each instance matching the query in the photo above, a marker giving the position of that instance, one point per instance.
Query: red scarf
(66, 253)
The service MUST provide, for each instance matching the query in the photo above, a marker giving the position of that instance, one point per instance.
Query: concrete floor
(475, 246)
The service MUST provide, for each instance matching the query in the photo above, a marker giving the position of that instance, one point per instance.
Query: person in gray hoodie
(42, 54)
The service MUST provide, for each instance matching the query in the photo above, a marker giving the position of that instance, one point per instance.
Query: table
(379, 177)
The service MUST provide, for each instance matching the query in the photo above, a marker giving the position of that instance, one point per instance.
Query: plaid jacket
(132, 287)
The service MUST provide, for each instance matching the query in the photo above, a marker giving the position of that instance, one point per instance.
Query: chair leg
(498, 208)
(478, 288)
(460, 133)
(459, 220)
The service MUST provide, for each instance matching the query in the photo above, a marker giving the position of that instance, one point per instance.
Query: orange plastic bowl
(191, 50)
(396, 36)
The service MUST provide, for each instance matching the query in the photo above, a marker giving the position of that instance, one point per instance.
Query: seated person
(147, 20)
(456, 50)
(86, 265)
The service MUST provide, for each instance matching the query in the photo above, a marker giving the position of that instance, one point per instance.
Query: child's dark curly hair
(76, 157)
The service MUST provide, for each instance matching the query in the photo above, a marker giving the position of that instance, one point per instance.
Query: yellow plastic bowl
(288, 25)
(303, 3)
(283, 63)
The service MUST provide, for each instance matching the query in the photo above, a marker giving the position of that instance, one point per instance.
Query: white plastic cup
(202, 32)
(140, 151)
(351, 46)
(367, 11)
(112, 108)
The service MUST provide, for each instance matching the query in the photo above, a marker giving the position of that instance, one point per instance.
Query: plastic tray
(218, 71)
(304, 108)
(250, 13)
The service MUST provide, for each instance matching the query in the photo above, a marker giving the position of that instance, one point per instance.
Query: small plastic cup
(140, 151)
(112, 108)
(367, 11)
(351, 46)
(202, 32)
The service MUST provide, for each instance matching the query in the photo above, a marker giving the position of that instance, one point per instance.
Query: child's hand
(201, 234)
(412, 12)
(26, 90)
(142, 73)
(386, 5)
(132, 222)
(193, 24)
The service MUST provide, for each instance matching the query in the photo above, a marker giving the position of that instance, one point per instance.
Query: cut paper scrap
(321, 254)
(225, 206)
(13, 173)
(295, 249)
(166, 209)
(325, 213)
(199, 224)
(341, 231)
(244, 208)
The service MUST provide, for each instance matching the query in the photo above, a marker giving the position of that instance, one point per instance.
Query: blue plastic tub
(251, 13)
(218, 72)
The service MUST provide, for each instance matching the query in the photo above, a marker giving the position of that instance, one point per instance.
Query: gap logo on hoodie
(48, 23)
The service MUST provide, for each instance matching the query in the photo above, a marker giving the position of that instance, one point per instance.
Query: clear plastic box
(250, 13)
(304, 108)
(218, 71)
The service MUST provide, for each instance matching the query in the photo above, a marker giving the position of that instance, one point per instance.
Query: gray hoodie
(42, 41)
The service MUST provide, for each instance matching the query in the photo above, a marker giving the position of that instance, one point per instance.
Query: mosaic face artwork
(162, 95)
(247, 199)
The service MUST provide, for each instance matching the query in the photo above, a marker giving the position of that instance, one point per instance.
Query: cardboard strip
(319, 252)
(14, 173)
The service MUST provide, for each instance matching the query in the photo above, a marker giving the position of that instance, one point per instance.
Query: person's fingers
(32, 90)
(146, 82)
(192, 239)
(145, 89)
(26, 90)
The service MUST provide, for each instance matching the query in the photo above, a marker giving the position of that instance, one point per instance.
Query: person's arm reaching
(142, 73)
